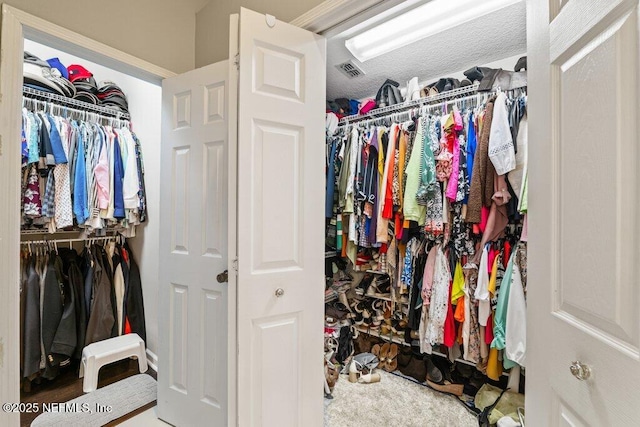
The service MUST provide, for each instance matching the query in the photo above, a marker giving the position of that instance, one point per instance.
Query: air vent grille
(350, 69)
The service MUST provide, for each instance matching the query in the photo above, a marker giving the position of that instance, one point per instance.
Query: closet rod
(384, 111)
(31, 242)
(31, 93)
(453, 95)
(28, 232)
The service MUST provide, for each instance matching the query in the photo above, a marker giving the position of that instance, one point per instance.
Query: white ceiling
(499, 35)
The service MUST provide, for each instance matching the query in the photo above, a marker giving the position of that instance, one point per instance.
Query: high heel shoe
(342, 297)
(353, 372)
(382, 286)
(370, 378)
(363, 286)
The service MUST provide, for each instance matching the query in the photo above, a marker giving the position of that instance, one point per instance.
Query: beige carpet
(394, 401)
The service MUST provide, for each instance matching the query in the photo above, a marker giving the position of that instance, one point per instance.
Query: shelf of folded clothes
(72, 86)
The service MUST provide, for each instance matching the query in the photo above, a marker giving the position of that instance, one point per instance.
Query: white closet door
(193, 312)
(280, 223)
(584, 188)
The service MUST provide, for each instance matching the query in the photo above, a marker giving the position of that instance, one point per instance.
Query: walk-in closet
(456, 146)
(426, 203)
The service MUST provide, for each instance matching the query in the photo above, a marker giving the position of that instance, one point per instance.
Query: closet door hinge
(236, 61)
(235, 265)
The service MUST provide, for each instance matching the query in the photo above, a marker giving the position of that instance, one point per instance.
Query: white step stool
(98, 354)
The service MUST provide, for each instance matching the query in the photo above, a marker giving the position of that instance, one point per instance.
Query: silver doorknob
(279, 292)
(580, 370)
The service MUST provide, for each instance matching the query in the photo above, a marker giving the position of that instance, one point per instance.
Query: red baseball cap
(78, 72)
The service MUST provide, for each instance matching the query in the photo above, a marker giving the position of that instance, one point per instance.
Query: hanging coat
(71, 260)
(58, 318)
(32, 336)
(101, 319)
(135, 302)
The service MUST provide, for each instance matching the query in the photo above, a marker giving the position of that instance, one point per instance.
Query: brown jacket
(483, 172)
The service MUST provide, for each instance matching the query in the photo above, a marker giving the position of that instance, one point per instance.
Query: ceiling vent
(350, 69)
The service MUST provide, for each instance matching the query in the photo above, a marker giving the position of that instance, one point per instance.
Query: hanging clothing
(84, 168)
(516, 323)
(439, 303)
(31, 328)
(412, 210)
(58, 318)
(429, 182)
(501, 149)
(101, 319)
(483, 171)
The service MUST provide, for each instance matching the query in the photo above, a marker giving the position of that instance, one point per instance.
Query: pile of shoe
(387, 353)
(491, 78)
(368, 312)
(362, 366)
(488, 79)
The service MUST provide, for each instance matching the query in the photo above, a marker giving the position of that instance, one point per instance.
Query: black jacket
(58, 318)
(134, 304)
(75, 279)
(31, 326)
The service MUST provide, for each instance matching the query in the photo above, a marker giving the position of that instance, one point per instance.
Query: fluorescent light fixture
(423, 21)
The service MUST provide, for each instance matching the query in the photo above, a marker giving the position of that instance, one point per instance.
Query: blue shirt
(472, 142)
(56, 142)
(118, 178)
(80, 201)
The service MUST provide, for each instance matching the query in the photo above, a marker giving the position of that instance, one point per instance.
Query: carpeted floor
(394, 401)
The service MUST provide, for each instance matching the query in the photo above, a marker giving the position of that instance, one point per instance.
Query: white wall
(159, 31)
(212, 23)
(145, 106)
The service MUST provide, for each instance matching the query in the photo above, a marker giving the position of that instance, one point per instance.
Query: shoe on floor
(455, 389)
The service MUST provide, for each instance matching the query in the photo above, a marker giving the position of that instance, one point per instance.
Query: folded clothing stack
(39, 74)
(112, 96)
(85, 84)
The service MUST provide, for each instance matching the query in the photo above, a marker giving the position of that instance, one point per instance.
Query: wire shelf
(80, 233)
(385, 111)
(32, 93)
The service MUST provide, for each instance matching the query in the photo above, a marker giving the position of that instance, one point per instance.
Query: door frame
(16, 24)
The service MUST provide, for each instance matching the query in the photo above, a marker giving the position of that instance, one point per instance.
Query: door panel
(193, 358)
(280, 205)
(584, 251)
(595, 76)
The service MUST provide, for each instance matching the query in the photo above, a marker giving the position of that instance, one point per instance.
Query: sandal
(375, 350)
(392, 358)
(447, 387)
(384, 350)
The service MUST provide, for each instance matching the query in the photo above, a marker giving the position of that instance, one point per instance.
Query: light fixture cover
(423, 21)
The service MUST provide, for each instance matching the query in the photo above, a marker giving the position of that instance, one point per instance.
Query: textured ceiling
(495, 36)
